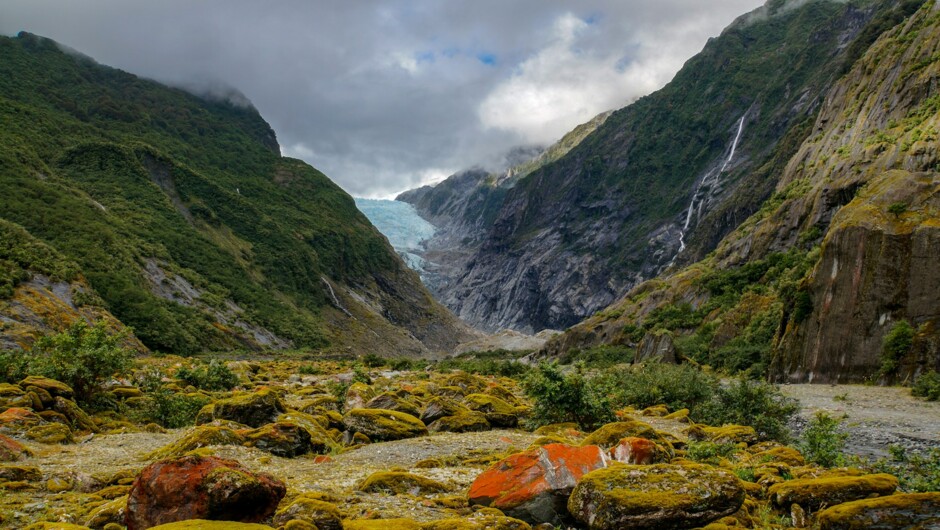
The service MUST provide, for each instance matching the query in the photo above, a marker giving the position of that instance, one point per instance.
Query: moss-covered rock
(11, 450)
(477, 522)
(314, 403)
(610, 435)
(780, 455)
(398, 482)
(633, 450)
(48, 525)
(200, 524)
(11, 472)
(357, 395)
(50, 433)
(439, 407)
(726, 434)
(497, 412)
(383, 425)
(655, 496)
(324, 515)
(53, 387)
(253, 409)
(391, 401)
(817, 492)
(469, 421)
(381, 524)
(907, 510)
(19, 419)
(196, 438)
(112, 511)
(284, 439)
(78, 418)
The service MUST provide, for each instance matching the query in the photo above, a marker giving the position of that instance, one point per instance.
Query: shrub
(82, 357)
(170, 409)
(927, 386)
(917, 472)
(822, 442)
(374, 361)
(310, 369)
(599, 356)
(211, 376)
(754, 403)
(895, 345)
(566, 397)
(674, 385)
(897, 208)
(13, 366)
(710, 452)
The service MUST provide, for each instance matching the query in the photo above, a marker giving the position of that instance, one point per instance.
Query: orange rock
(534, 485)
(11, 450)
(634, 450)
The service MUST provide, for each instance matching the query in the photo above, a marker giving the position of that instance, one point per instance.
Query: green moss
(384, 425)
(198, 437)
(381, 524)
(912, 510)
(396, 483)
(816, 492)
(199, 524)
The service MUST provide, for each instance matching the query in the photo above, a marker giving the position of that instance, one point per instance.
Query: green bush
(566, 397)
(170, 409)
(710, 452)
(374, 361)
(602, 356)
(82, 357)
(310, 369)
(211, 376)
(917, 472)
(927, 386)
(13, 366)
(754, 403)
(822, 442)
(674, 385)
(895, 345)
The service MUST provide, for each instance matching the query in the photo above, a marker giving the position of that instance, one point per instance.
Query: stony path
(876, 417)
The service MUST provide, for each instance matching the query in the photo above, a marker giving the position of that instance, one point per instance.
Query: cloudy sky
(386, 95)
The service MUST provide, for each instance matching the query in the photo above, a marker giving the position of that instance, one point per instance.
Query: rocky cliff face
(183, 218)
(808, 288)
(464, 206)
(661, 181)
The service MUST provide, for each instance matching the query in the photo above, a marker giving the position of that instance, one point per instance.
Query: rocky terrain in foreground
(300, 445)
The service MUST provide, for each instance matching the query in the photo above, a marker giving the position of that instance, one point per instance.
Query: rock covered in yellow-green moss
(322, 514)
(53, 387)
(13, 473)
(284, 439)
(196, 438)
(440, 407)
(726, 434)
(392, 401)
(11, 450)
(381, 524)
(357, 395)
(904, 510)
(78, 418)
(468, 421)
(655, 496)
(200, 524)
(813, 493)
(610, 435)
(477, 521)
(48, 525)
(497, 412)
(315, 403)
(109, 512)
(253, 409)
(383, 425)
(398, 482)
(51, 433)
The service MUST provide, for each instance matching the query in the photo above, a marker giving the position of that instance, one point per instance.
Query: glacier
(400, 223)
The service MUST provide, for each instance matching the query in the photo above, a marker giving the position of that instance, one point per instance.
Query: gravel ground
(875, 417)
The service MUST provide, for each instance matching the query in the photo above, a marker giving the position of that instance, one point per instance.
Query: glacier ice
(400, 223)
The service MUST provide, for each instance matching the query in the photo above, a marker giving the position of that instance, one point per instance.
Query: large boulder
(468, 421)
(197, 438)
(391, 401)
(201, 487)
(908, 510)
(610, 435)
(659, 496)
(497, 412)
(633, 450)
(441, 407)
(11, 450)
(813, 493)
(308, 508)
(383, 425)
(53, 387)
(284, 439)
(534, 485)
(78, 418)
(253, 409)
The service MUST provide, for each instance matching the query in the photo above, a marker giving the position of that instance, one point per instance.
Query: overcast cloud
(384, 96)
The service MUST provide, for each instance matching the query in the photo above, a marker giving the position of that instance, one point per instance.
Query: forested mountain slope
(182, 219)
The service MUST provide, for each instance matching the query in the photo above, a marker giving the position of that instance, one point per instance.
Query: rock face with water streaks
(677, 169)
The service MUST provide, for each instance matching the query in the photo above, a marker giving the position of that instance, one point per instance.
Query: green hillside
(184, 217)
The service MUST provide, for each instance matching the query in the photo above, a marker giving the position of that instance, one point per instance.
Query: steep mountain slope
(181, 214)
(841, 258)
(464, 206)
(662, 180)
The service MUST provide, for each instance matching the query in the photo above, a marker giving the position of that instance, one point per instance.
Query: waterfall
(712, 176)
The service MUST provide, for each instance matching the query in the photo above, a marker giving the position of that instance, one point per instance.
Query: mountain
(177, 215)
(836, 277)
(662, 180)
(464, 206)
